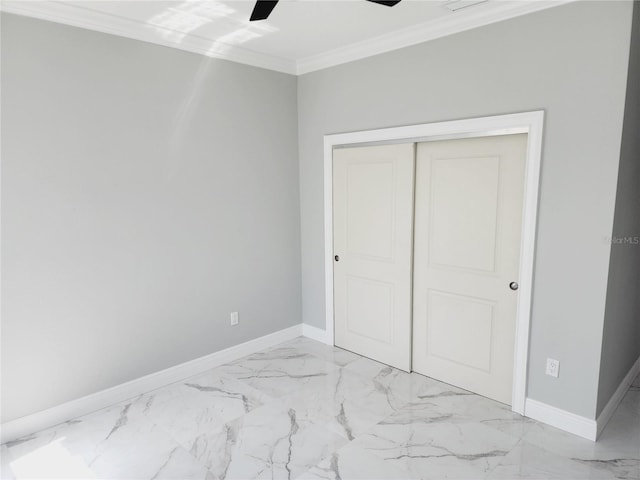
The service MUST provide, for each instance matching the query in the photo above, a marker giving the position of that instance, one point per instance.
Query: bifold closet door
(372, 247)
(468, 219)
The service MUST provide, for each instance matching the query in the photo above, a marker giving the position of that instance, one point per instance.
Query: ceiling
(299, 36)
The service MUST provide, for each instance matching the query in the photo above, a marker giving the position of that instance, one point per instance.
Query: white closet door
(373, 229)
(468, 217)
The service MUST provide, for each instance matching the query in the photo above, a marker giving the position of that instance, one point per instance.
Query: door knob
(513, 285)
(337, 258)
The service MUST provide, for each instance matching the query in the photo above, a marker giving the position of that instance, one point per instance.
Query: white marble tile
(462, 405)
(335, 355)
(620, 468)
(343, 418)
(621, 437)
(368, 367)
(279, 371)
(620, 441)
(526, 461)
(439, 450)
(346, 403)
(400, 386)
(198, 405)
(439, 402)
(305, 410)
(617, 449)
(269, 442)
(110, 443)
(560, 442)
(351, 462)
(383, 393)
(5, 464)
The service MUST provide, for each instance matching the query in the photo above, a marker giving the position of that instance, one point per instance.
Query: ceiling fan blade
(262, 9)
(388, 3)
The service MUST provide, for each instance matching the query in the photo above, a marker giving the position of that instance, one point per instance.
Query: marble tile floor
(302, 410)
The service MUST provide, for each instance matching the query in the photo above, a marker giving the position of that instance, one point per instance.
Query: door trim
(530, 123)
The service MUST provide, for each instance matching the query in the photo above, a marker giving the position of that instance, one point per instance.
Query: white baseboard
(316, 333)
(614, 401)
(53, 416)
(556, 417)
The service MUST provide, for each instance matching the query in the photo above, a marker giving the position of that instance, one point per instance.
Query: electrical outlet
(234, 319)
(553, 367)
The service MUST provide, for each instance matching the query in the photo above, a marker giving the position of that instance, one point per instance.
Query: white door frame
(530, 123)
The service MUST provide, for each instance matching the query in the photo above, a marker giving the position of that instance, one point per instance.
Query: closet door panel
(468, 219)
(373, 229)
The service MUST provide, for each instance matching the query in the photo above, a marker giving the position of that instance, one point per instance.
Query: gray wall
(570, 61)
(621, 336)
(146, 193)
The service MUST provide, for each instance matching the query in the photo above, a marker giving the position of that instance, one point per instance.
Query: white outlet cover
(553, 367)
(234, 318)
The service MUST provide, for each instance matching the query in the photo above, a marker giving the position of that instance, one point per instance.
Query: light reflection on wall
(228, 28)
(176, 22)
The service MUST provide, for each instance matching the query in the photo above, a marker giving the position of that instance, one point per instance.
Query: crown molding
(424, 32)
(87, 18)
(90, 19)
